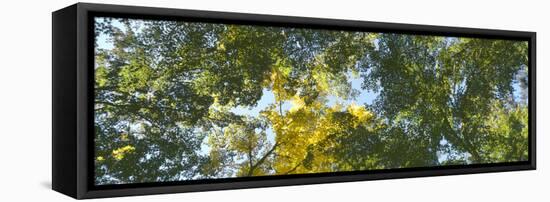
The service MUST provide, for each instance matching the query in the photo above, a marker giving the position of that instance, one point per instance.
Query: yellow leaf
(100, 158)
(120, 153)
(360, 113)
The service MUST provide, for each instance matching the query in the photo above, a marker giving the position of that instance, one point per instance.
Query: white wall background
(25, 99)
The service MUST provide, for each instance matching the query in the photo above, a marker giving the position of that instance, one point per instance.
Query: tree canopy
(187, 100)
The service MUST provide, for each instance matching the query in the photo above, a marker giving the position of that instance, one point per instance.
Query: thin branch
(262, 159)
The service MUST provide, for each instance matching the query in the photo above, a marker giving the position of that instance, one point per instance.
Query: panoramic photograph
(186, 101)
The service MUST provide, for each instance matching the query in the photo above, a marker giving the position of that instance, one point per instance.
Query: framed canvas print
(155, 100)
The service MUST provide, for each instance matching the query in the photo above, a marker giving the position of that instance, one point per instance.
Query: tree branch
(251, 170)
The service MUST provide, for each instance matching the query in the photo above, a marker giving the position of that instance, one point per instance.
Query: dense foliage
(167, 94)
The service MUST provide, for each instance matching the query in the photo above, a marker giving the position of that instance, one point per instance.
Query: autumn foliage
(174, 101)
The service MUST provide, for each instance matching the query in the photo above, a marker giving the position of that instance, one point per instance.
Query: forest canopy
(177, 101)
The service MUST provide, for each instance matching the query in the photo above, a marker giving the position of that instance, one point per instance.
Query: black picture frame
(72, 100)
